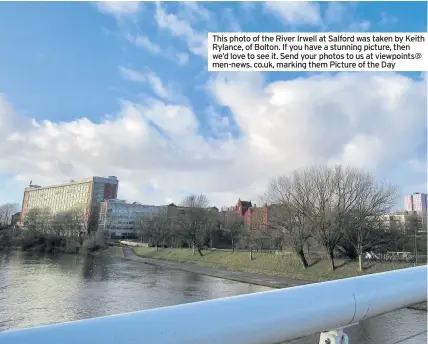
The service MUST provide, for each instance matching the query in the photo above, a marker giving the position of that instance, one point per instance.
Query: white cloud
(220, 125)
(195, 11)
(156, 83)
(119, 8)
(376, 121)
(345, 15)
(143, 41)
(180, 58)
(233, 22)
(386, 19)
(132, 75)
(296, 12)
(361, 119)
(360, 26)
(248, 5)
(195, 40)
(335, 12)
(150, 78)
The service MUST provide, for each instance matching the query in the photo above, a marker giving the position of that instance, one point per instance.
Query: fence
(396, 256)
(133, 243)
(261, 318)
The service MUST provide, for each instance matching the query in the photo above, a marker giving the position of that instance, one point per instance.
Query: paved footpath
(246, 277)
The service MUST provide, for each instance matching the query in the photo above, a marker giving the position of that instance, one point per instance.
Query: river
(41, 289)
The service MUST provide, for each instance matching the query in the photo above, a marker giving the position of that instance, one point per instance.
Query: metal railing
(260, 318)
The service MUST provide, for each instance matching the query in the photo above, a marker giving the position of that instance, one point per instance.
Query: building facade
(255, 217)
(84, 195)
(404, 221)
(416, 202)
(15, 219)
(121, 219)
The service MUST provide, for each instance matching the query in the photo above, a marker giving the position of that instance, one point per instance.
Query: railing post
(334, 337)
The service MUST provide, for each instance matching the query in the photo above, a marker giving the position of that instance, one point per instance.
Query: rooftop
(111, 179)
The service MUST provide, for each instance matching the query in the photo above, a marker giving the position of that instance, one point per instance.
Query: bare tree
(413, 227)
(362, 221)
(331, 196)
(260, 239)
(234, 225)
(156, 228)
(69, 224)
(248, 239)
(323, 208)
(90, 221)
(324, 202)
(7, 210)
(289, 207)
(31, 220)
(60, 223)
(38, 220)
(194, 221)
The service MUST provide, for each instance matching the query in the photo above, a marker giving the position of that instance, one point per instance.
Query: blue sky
(145, 63)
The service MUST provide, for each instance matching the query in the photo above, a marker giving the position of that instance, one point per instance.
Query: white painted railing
(261, 318)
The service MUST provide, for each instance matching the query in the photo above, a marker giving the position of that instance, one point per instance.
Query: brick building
(255, 217)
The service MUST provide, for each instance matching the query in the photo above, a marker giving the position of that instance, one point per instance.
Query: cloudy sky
(123, 89)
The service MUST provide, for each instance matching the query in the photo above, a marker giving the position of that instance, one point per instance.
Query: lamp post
(415, 245)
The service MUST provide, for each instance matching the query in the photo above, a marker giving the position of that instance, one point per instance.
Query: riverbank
(239, 276)
(265, 269)
(286, 265)
(20, 240)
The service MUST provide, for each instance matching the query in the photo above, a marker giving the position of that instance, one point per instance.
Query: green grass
(270, 264)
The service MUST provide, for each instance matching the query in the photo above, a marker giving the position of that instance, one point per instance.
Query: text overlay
(287, 51)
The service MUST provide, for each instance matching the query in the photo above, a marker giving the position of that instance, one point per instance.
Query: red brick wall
(24, 204)
(247, 217)
(257, 218)
(110, 191)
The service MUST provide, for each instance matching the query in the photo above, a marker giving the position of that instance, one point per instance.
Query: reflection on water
(37, 289)
(40, 289)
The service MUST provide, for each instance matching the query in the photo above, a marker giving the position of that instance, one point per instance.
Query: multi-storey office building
(406, 221)
(84, 195)
(121, 219)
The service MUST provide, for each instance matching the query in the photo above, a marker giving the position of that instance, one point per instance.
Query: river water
(41, 289)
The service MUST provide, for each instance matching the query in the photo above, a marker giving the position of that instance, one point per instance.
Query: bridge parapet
(261, 318)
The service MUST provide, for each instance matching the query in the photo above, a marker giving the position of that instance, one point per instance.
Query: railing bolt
(334, 337)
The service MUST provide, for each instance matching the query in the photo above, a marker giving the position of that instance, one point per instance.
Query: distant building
(242, 207)
(121, 219)
(416, 202)
(85, 195)
(404, 221)
(254, 217)
(15, 219)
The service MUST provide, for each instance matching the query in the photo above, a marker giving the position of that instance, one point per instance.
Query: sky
(122, 88)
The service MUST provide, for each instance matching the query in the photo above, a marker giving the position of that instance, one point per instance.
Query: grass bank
(269, 264)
